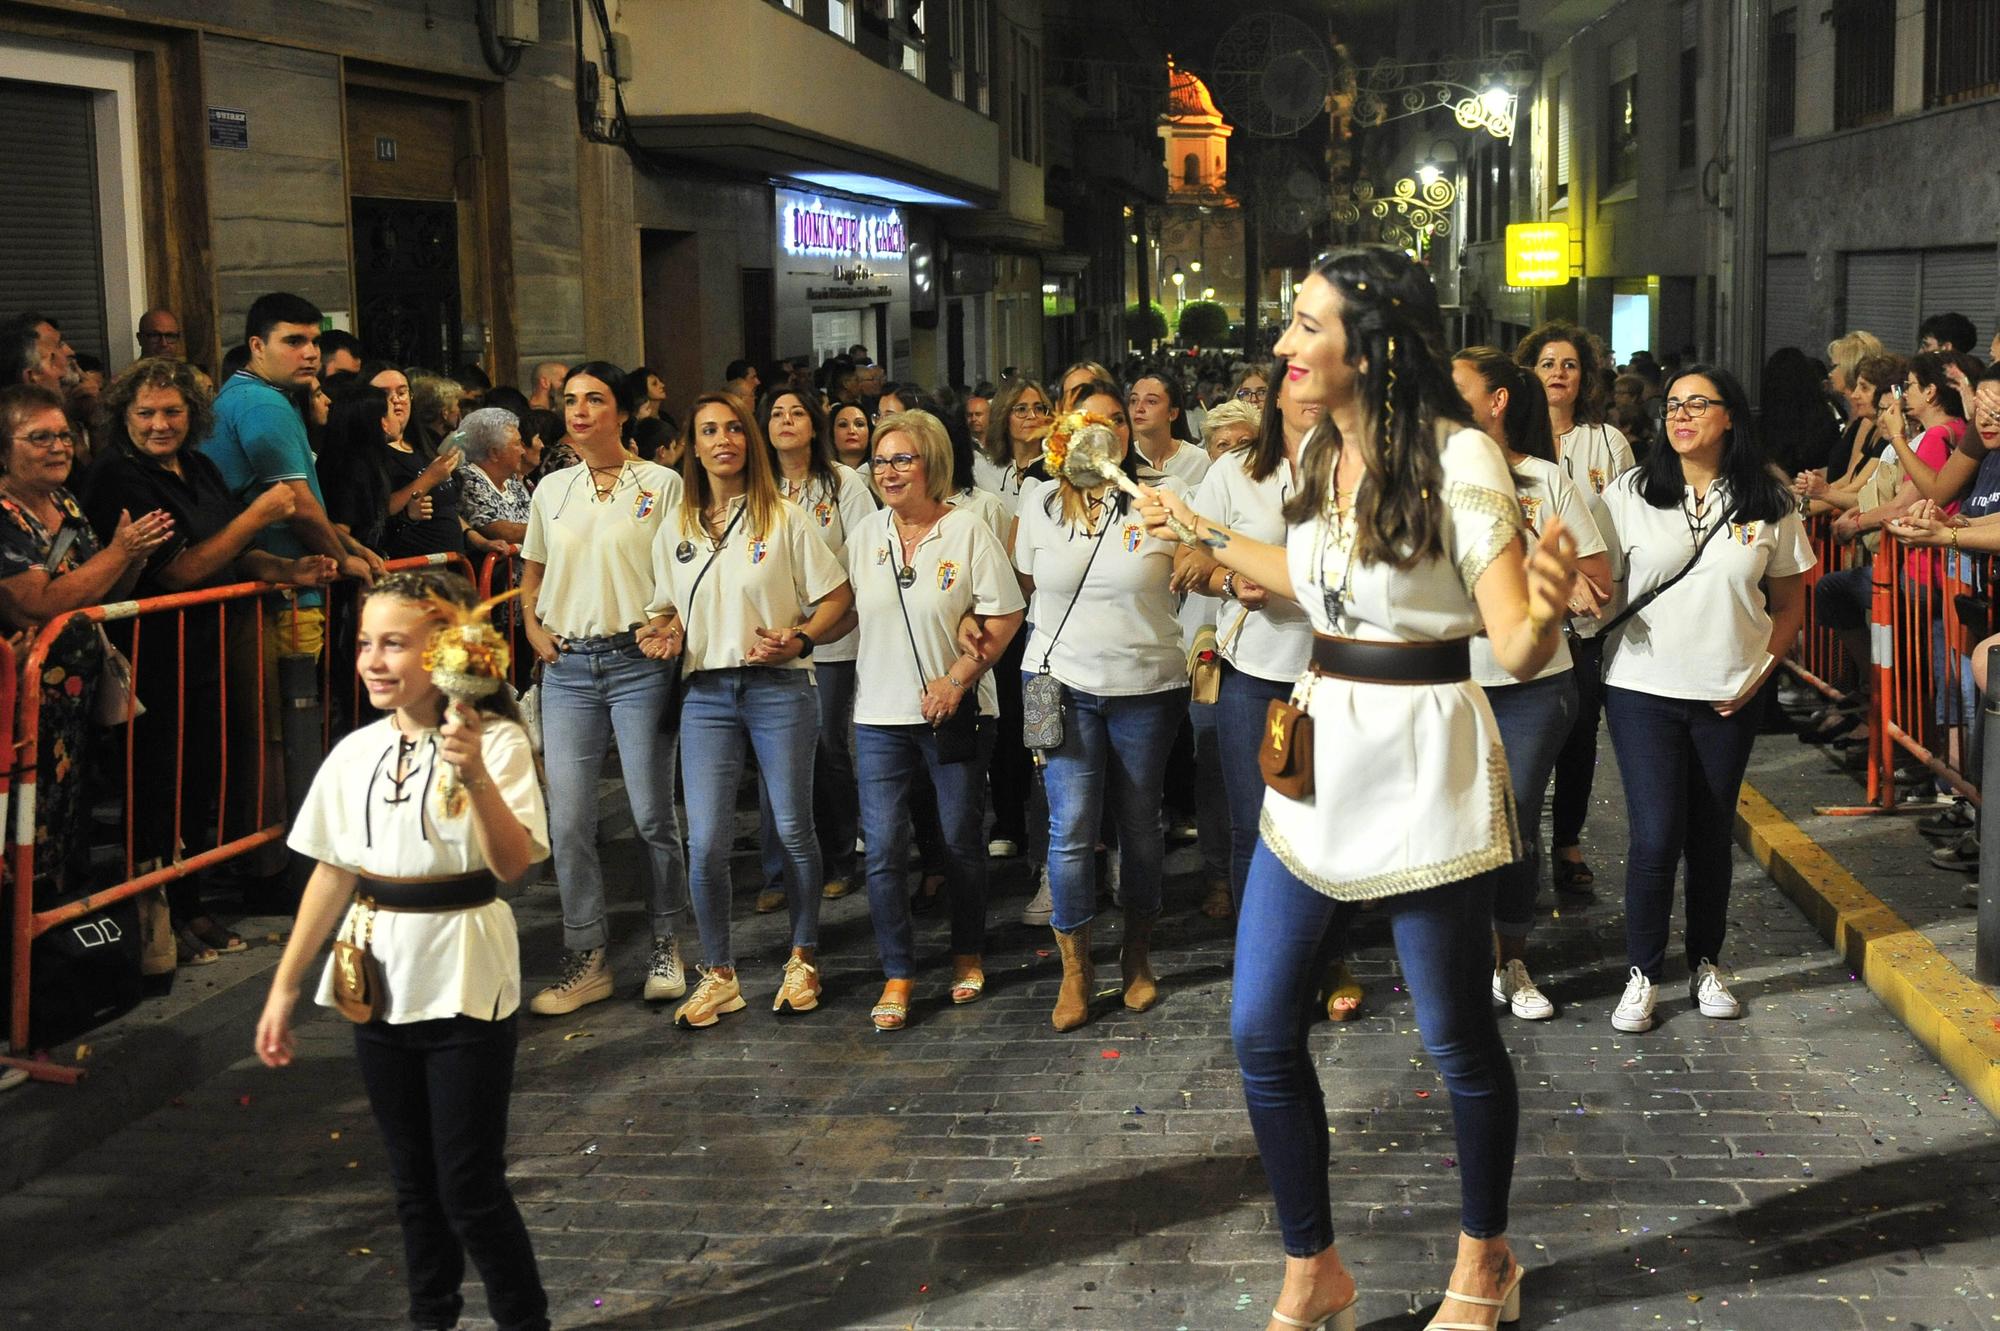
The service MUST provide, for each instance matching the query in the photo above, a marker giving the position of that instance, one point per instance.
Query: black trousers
(439, 1090)
(1576, 765)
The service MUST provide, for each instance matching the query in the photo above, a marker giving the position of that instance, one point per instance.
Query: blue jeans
(1211, 801)
(1444, 946)
(893, 761)
(1683, 766)
(1113, 759)
(836, 806)
(774, 714)
(586, 698)
(1240, 711)
(1534, 718)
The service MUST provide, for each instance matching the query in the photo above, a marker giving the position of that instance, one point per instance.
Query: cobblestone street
(1807, 1167)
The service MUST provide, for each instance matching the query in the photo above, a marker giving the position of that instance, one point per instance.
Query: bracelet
(1954, 536)
(1229, 584)
(952, 680)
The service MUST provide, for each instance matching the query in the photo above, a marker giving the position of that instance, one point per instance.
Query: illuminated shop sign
(809, 226)
(1538, 254)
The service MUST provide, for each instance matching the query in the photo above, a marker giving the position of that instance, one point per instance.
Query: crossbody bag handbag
(357, 976)
(1204, 660)
(958, 734)
(115, 702)
(1617, 621)
(1042, 693)
(670, 716)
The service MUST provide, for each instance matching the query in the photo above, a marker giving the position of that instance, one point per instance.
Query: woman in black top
(353, 464)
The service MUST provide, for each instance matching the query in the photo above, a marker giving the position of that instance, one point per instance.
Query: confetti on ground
(360, 1252)
(82, 1052)
(1109, 1053)
(1033, 1140)
(333, 1136)
(243, 1100)
(580, 1035)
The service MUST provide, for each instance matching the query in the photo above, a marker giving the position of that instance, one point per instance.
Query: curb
(1951, 1015)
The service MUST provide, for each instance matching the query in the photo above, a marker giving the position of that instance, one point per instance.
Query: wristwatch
(806, 639)
(1229, 584)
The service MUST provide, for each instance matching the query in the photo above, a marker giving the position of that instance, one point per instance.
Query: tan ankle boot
(1135, 963)
(1073, 1001)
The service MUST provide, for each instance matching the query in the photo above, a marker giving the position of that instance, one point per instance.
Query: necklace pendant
(1336, 606)
(906, 578)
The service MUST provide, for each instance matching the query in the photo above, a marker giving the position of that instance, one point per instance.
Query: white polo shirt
(1121, 638)
(1708, 637)
(759, 581)
(597, 554)
(833, 515)
(959, 566)
(1594, 455)
(986, 506)
(1275, 643)
(1188, 464)
(1001, 480)
(1545, 491)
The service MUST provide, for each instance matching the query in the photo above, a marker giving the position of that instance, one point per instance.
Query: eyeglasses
(1028, 411)
(897, 462)
(1256, 395)
(1695, 407)
(47, 440)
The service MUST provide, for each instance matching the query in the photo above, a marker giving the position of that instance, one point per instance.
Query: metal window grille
(1961, 50)
(1864, 62)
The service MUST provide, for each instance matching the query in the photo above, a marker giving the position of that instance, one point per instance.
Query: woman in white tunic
(917, 569)
(1568, 360)
(1404, 540)
(755, 591)
(1104, 629)
(1535, 715)
(1680, 671)
(836, 501)
(422, 851)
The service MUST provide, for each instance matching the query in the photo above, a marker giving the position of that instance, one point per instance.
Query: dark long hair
(353, 457)
(1267, 450)
(1526, 420)
(819, 465)
(1390, 313)
(1755, 492)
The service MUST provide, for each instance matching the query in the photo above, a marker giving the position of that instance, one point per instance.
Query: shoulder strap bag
(1042, 694)
(1618, 620)
(115, 702)
(670, 716)
(958, 734)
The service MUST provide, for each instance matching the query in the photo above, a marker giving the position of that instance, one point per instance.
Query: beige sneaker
(665, 977)
(800, 991)
(585, 979)
(770, 899)
(713, 996)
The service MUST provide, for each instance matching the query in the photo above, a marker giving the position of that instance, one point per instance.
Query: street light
(1429, 173)
(1195, 266)
(1179, 279)
(1208, 293)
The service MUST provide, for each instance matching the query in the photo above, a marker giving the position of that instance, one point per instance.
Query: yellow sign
(1538, 254)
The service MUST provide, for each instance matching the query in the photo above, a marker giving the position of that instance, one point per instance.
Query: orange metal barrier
(1819, 660)
(497, 577)
(235, 609)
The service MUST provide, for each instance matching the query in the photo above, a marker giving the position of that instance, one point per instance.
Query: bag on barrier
(157, 954)
(84, 973)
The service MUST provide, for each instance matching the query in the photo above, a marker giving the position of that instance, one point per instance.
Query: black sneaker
(1962, 856)
(1948, 824)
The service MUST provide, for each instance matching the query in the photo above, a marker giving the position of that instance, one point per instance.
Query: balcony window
(1621, 132)
(840, 19)
(1690, 87)
(1864, 62)
(1559, 102)
(1781, 79)
(969, 47)
(1025, 141)
(1961, 50)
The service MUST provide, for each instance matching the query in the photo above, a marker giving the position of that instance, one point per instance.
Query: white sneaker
(665, 977)
(1513, 986)
(1709, 993)
(585, 979)
(1043, 907)
(1634, 1012)
(1000, 848)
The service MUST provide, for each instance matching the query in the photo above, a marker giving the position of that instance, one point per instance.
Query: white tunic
(759, 580)
(1275, 643)
(435, 964)
(1122, 638)
(833, 515)
(1544, 489)
(1708, 637)
(1410, 782)
(597, 554)
(958, 566)
(1188, 465)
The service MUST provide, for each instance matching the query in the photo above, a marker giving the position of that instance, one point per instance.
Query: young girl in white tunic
(837, 502)
(1568, 360)
(1404, 541)
(1680, 672)
(408, 859)
(1535, 715)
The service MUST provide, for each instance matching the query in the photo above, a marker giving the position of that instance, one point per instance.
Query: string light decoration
(1480, 94)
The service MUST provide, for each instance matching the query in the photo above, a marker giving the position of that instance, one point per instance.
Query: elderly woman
(917, 570)
(151, 412)
(51, 563)
(493, 501)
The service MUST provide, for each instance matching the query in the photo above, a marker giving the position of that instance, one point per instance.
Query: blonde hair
(1230, 415)
(1846, 353)
(1098, 375)
(933, 446)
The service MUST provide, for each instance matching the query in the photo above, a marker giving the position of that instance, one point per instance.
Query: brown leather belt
(463, 893)
(1393, 662)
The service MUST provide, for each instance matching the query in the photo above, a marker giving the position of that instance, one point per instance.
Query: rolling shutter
(1881, 297)
(1966, 281)
(1788, 305)
(51, 255)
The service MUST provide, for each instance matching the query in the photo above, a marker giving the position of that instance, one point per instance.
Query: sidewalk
(1809, 1167)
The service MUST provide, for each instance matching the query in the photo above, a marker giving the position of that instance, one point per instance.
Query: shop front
(843, 278)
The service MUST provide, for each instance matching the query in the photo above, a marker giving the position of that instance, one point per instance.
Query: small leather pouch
(1285, 757)
(1041, 712)
(357, 976)
(1204, 663)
